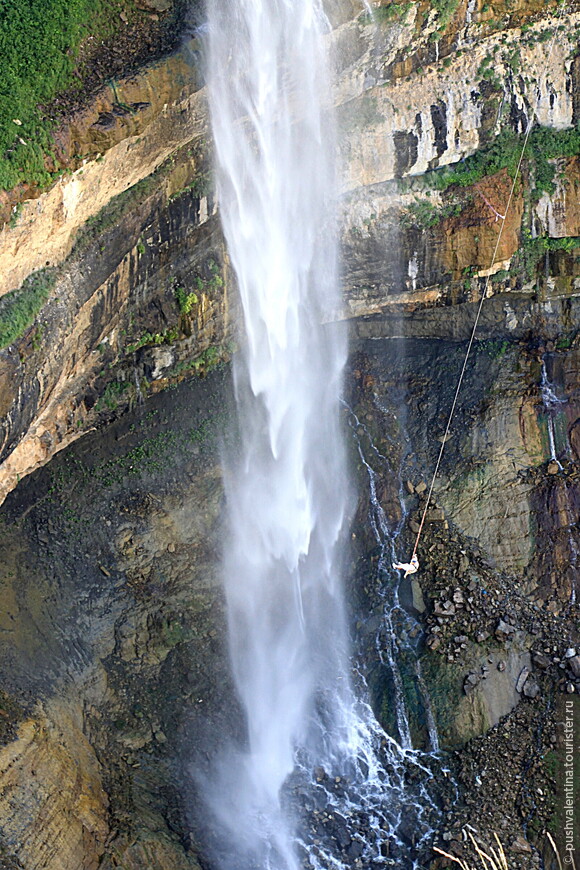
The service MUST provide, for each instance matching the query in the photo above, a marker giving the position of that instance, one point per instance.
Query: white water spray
(309, 741)
(551, 403)
(287, 493)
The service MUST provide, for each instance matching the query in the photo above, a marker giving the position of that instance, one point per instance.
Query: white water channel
(287, 496)
(287, 489)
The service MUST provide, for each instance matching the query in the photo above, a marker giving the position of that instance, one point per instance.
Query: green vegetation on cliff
(424, 214)
(545, 144)
(39, 43)
(446, 9)
(19, 308)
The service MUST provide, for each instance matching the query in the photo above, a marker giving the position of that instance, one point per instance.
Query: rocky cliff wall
(113, 626)
(113, 640)
(140, 297)
(419, 89)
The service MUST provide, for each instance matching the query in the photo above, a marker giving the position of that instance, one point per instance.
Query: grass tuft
(39, 44)
(496, 860)
(18, 309)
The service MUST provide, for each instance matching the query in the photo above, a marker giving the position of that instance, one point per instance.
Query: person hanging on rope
(408, 567)
(413, 566)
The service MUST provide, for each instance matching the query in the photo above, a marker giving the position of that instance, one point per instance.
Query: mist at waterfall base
(310, 742)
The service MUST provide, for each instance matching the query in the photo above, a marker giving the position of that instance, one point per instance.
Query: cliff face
(113, 640)
(132, 265)
(120, 138)
(115, 285)
(415, 241)
(411, 106)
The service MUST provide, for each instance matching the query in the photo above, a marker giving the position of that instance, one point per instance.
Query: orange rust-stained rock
(518, 12)
(471, 237)
(571, 187)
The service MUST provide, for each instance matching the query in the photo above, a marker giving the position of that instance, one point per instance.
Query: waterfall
(311, 742)
(286, 490)
(551, 403)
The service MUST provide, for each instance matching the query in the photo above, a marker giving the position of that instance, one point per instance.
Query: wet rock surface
(112, 634)
(492, 650)
(112, 644)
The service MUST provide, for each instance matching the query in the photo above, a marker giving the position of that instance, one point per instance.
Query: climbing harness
(531, 121)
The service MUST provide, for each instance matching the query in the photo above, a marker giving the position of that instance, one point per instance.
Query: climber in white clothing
(408, 567)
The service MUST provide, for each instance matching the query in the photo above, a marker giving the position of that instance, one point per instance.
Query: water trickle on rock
(552, 403)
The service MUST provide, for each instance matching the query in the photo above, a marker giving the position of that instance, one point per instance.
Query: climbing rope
(503, 218)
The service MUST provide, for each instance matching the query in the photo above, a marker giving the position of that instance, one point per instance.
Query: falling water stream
(553, 405)
(317, 782)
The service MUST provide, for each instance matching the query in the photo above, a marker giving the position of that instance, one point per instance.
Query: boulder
(504, 630)
(444, 608)
(540, 660)
(521, 846)
(531, 689)
(574, 665)
(524, 673)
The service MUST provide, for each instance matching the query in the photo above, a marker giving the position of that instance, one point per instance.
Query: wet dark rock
(355, 849)
(439, 119)
(574, 665)
(406, 151)
(342, 837)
